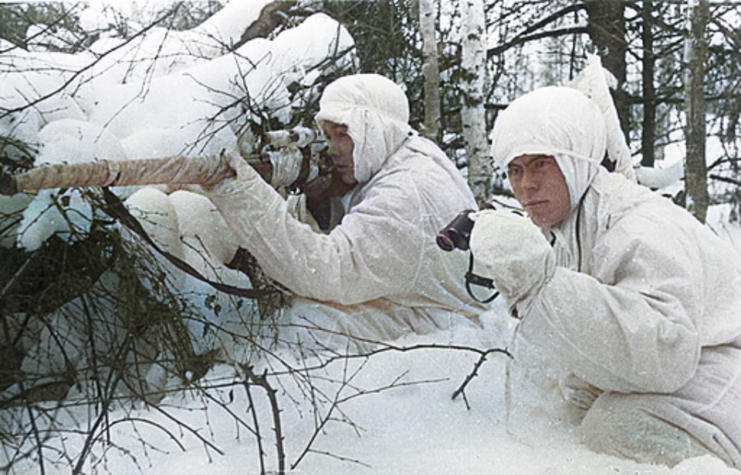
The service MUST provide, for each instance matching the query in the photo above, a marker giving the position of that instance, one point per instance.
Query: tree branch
(77, 74)
(272, 16)
(537, 36)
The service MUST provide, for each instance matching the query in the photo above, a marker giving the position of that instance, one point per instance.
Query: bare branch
(79, 73)
(576, 30)
(262, 382)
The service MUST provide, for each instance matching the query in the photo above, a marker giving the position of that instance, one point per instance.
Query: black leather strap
(116, 209)
(475, 279)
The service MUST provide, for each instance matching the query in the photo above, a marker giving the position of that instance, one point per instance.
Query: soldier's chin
(348, 179)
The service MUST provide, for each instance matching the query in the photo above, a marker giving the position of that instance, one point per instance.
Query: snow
(156, 97)
(391, 412)
(42, 219)
(396, 415)
(661, 176)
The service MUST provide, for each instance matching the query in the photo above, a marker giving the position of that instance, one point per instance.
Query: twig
(725, 179)
(114, 378)
(263, 383)
(258, 435)
(385, 348)
(19, 272)
(188, 428)
(141, 420)
(324, 420)
(36, 435)
(473, 374)
(339, 457)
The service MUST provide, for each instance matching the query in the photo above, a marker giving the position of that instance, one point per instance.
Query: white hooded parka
(644, 302)
(379, 272)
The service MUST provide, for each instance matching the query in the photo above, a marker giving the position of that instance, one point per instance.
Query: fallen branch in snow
(461, 389)
(377, 347)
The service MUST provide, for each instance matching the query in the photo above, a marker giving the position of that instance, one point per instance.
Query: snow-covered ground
(394, 415)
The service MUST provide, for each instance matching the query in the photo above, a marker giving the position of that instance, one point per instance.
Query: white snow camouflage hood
(558, 121)
(376, 113)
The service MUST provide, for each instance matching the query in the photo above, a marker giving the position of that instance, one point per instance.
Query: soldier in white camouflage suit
(633, 295)
(378, 273)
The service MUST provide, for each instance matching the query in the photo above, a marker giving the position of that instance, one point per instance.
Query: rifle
(177, 170)
(314, 178)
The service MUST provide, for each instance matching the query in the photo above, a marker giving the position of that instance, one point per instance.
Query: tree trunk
(430, 70)
(606, 28)
(695, 174)
(473, 114)
(648, 149)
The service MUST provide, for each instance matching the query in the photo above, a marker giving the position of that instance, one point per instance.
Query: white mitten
(245, 200)
(246, 175)
(513, 252)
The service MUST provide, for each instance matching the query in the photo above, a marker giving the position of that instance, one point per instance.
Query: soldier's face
(539, 185)
(340, 150)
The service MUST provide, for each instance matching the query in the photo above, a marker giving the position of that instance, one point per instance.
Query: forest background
(677, 93)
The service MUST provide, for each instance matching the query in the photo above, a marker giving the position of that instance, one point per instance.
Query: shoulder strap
(117, 210)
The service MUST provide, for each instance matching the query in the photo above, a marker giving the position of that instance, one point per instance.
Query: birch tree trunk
(430, 70)
(473, 114)
(695, 174)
